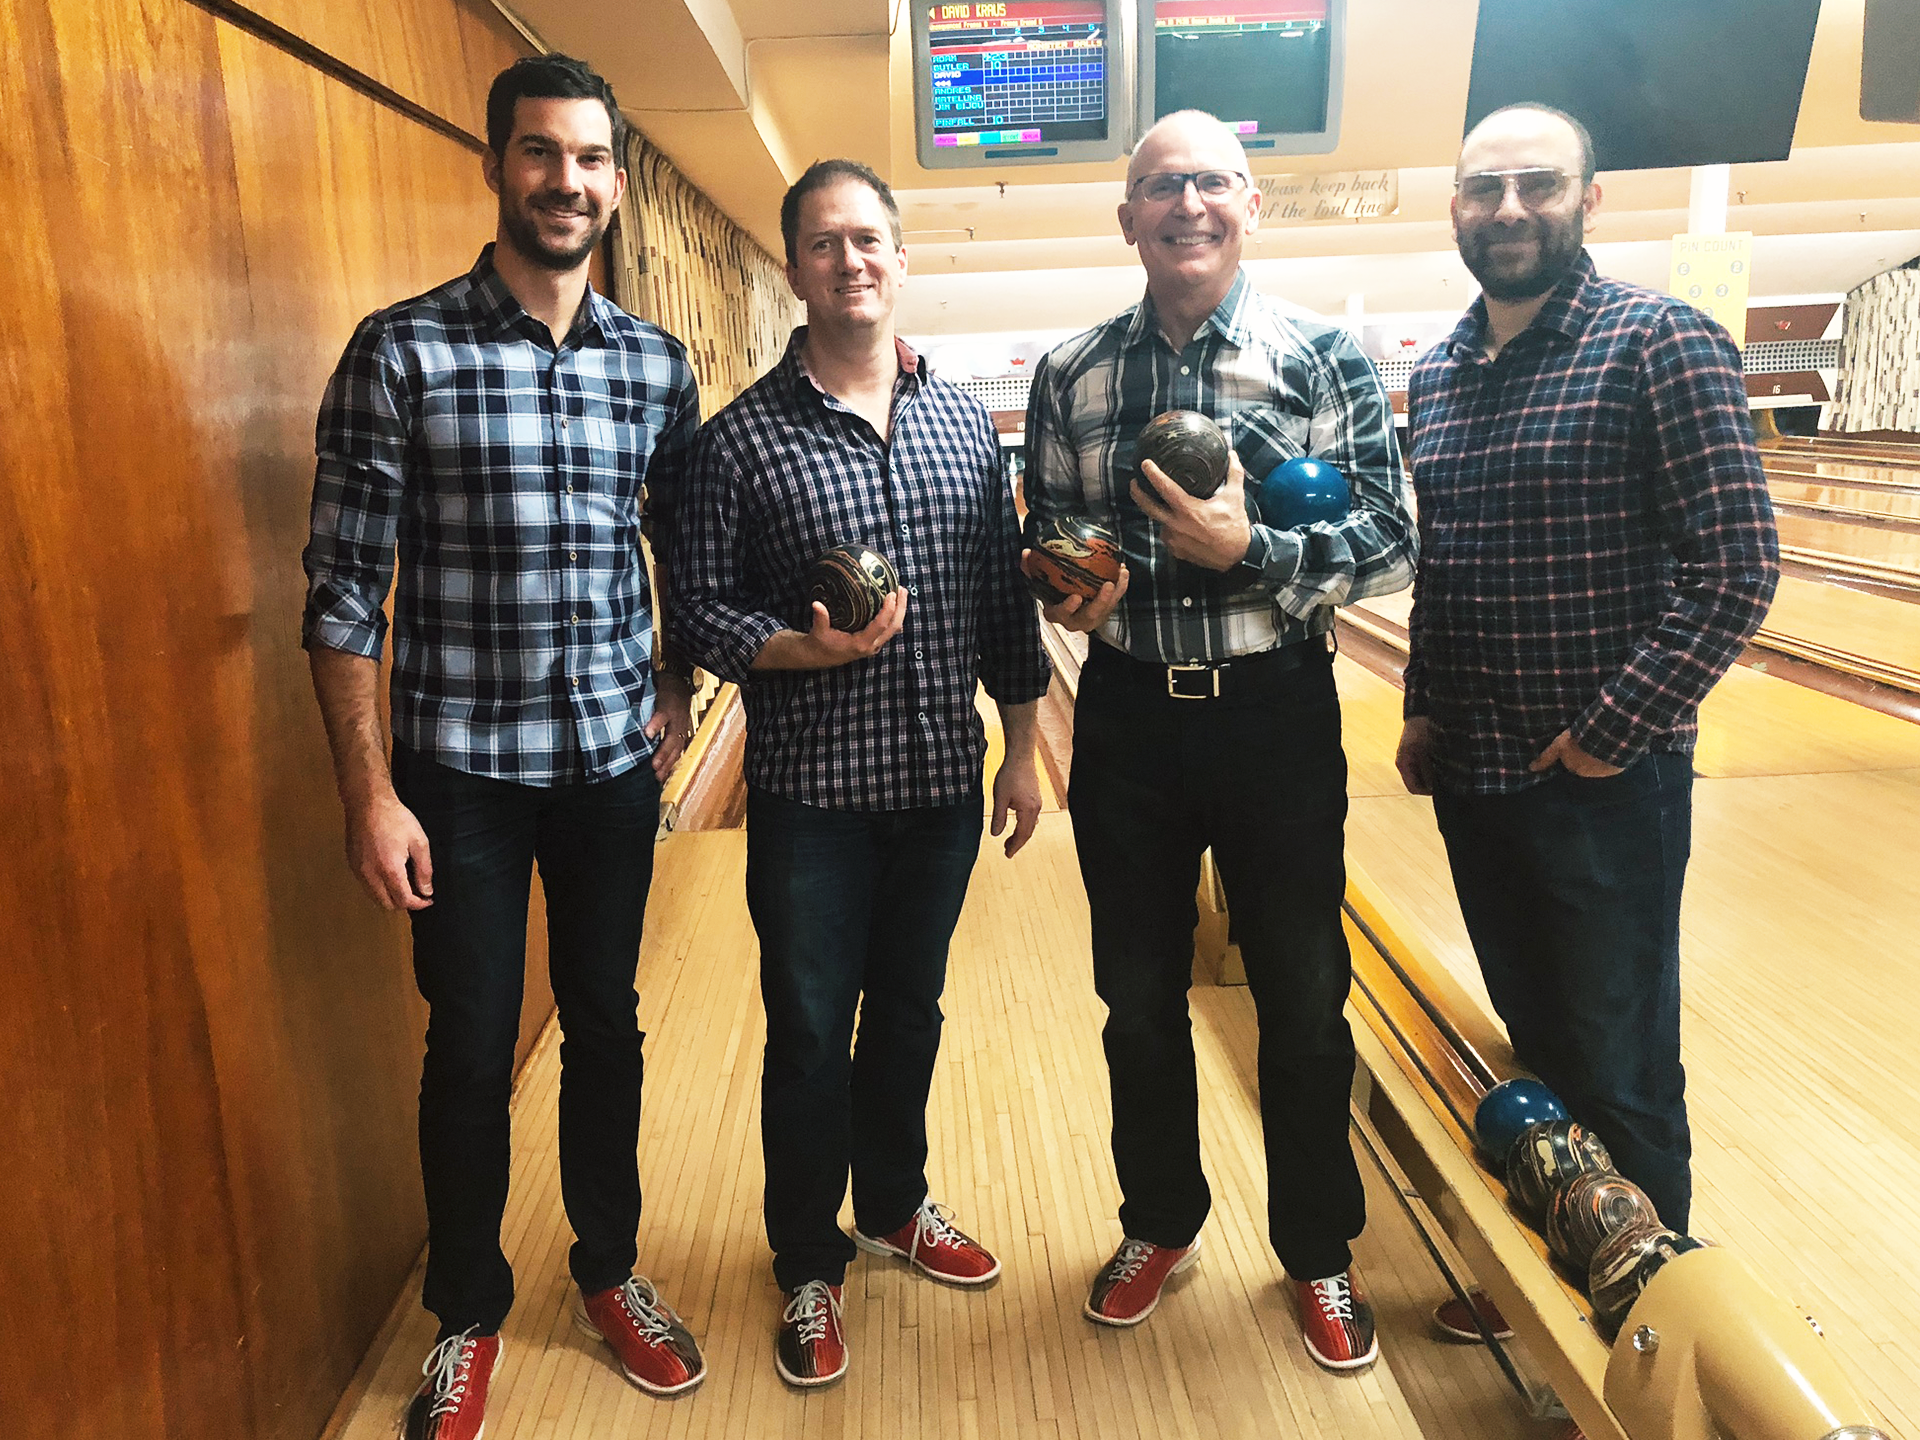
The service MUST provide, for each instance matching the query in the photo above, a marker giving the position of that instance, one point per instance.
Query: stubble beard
(1559, 245)
(523, 234)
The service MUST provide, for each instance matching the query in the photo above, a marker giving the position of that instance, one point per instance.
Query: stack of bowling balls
(1597, 1222)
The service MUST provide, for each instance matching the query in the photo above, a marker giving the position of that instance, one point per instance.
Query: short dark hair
(549, 77)
(1579, 131)
(820, 175)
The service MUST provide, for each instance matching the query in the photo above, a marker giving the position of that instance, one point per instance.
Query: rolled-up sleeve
(361, 443)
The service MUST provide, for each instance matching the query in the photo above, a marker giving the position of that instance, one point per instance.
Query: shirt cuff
(1273, 557)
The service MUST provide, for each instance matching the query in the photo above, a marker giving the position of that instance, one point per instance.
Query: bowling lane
(1802, 991)
(1855, 542)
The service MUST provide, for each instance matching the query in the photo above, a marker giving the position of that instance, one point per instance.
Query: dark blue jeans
(1259, 775)
(855, 910)
(594, 845)
(1571, 893)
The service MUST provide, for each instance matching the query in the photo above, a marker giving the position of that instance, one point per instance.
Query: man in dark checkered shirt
(1596, 547)
(496, 430)
(864, 749)
(1207, 716)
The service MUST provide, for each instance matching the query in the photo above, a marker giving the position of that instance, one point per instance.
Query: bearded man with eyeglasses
(1207, 716)
(1596, 547)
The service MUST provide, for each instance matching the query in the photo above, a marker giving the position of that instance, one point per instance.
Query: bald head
(1187, 132)
(1538, 130)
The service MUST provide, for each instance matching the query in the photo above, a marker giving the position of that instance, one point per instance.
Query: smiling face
(1189, 244)
(557, 180)
(847, 268)
(1519, 251)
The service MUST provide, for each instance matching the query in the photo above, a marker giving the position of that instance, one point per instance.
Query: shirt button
(563, 422)
(1186, 602)
(1186, 369)
(576, 681)
(569, 489)
(573, 554)
(903, 528)
(573, 619)
(919, 654)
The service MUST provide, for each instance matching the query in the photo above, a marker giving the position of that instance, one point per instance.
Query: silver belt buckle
(1177, 694)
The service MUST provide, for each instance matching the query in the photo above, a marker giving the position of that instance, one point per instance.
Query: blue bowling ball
(1301, 491)
(1508, 1109)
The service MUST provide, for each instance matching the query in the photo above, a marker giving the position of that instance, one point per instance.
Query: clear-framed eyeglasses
(1166, 185)
(1535, 187)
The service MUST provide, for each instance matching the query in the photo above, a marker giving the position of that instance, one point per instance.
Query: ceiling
(744, 94)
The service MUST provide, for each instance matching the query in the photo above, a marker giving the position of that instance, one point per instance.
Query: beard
(523, 233)
(1557, 249)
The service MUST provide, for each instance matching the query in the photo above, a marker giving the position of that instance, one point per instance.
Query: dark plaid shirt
(1596, 541)
(1281, 383)
(507, 472)
(787, 471)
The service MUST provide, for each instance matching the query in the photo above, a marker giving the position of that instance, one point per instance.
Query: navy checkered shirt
(507, 473)
(1281, 383)
(1596, 540)
(787, 471)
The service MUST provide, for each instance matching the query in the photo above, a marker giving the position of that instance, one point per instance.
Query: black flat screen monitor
(1659, 82)
(1018, 80)
(1271, 69)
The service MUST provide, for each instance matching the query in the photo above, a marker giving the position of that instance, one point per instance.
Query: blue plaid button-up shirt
(1281, 383)
(787, 471)
(1596, 540)
(506, 472)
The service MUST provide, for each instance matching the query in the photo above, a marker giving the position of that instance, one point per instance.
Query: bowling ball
(1302, 491)
(1588, 1209)
(1623, 1265)
(1189, 447)
(1074, 555)
(853, 582)
(1547, 1156)
(1509, 1108)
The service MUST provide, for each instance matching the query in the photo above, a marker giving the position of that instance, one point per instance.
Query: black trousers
(1257, 774)
(594, 845)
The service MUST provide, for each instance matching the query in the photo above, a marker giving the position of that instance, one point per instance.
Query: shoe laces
(809, 1310)
(1128, 1259)
(447, 1370)
(933, 1227)
(642, 1302)
(1334, 1296)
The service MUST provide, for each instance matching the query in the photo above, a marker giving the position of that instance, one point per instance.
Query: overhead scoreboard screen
(1270, 68)
(1016, 80)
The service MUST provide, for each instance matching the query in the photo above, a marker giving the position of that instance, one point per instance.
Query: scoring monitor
(1270, 68)
(1018, 80)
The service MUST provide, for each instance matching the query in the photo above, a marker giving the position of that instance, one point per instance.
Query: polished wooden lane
(1018, 1121)
(1802, 990)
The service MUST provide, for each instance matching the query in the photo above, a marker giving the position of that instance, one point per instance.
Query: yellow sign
(1711, 272)
(1350, 195)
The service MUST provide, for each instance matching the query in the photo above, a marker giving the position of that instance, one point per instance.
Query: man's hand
(1414, 758)
(1079, 612)
(1563, 751)
(1213, 533)
(823, 647)
(387, 850)
(672, 722)
(1016, 788)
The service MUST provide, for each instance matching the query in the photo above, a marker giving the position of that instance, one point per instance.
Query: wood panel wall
(208, 1179)
(681, 263)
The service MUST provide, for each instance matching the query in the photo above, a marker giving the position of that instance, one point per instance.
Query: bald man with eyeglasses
(1207, 717)
(1596, 547)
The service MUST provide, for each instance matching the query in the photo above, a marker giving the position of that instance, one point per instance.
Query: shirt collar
(1228, 320)
(913, 365)
(1565, 312)
(495, 308)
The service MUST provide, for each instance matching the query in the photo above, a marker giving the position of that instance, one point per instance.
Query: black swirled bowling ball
(1071, 555)
(853, 582)
(1624, 1264)
(1189, 447)
(1588, 1209)
(1547, 1156)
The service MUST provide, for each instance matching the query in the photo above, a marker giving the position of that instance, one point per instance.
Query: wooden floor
(1019, 1119)
(1801, 985)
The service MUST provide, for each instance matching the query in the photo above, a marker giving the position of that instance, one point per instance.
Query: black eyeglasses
(1172, 184)
(1534, 187)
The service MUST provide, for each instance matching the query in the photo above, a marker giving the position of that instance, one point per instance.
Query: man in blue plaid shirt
(496, 432)
(1207, 716)
(864, 749)
(1596, 547)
